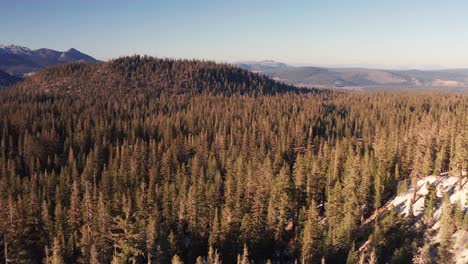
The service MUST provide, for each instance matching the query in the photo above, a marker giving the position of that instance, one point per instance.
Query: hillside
(142, 160)
(458, 199)
(21, 61)
(7, 79)
(152, 76)
(438, 217)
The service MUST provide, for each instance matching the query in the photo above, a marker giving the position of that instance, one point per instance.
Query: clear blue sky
(324, 32)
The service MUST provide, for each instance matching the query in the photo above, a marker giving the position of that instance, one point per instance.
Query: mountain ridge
(21, 61)
(362, 78)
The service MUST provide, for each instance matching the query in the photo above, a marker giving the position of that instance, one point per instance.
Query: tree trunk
(6, 249)
(460, 178)
(415, 189)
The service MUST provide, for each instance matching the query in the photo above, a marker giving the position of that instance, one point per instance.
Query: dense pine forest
(144, 160)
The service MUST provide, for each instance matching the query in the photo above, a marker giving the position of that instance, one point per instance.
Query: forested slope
(151, 76)
(156, 160)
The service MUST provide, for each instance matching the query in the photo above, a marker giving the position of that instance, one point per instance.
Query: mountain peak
(20, 61)
(72, 50)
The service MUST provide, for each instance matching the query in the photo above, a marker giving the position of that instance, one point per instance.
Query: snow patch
(15, 49)
(444, 184)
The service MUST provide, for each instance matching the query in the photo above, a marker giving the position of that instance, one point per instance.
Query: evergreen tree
(444, 254)
(352, 256)
(57, 251)
(176, 260)
(311, 235)
(430, 203)
(423, 256)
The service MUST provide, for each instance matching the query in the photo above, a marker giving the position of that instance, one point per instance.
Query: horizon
(427, 36)
(291, 64)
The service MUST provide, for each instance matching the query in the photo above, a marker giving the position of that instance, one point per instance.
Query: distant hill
(7, 79)
(263, 66)
(361, 78)
(152, 76)
(20, 61)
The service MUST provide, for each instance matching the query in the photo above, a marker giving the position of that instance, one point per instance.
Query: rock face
(21, 61)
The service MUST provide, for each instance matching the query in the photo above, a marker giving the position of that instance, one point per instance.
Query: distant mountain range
(262, 66)
(361, 78)
(21, 61)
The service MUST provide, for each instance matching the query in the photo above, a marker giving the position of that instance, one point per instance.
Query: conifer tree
(352, 255)
(176, 260)
(310, 236)
(444, 254)
(423, 255)
(57, 251)
(244, 259)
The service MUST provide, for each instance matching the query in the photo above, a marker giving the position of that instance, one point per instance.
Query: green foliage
(430, 202)
(446, 219)
(311, 236)
(352, 255)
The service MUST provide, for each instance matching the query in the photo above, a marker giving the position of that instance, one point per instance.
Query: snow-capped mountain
(15, 49)
(20, 61)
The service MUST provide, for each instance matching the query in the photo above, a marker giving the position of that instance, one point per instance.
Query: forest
(145, 160)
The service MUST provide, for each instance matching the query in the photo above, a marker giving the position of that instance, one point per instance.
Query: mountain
(263, 66)
(153, 76)
(20, 61)
(7, 79)
(362, 78)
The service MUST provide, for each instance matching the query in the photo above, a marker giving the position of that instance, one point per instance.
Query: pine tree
(213, 256)
(423, 256)
(244, 259)
(446, 226)
(151, 239)
(444, 254)
(352, 255)
(125, 235)
(458, 215)
(176, 260)
(461, 155)
(57, 251)
(334, 212)
(94, 256)
(281, 206)
(310, 235)
(429, 203)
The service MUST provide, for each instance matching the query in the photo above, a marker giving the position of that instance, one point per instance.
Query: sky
(380, 33)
